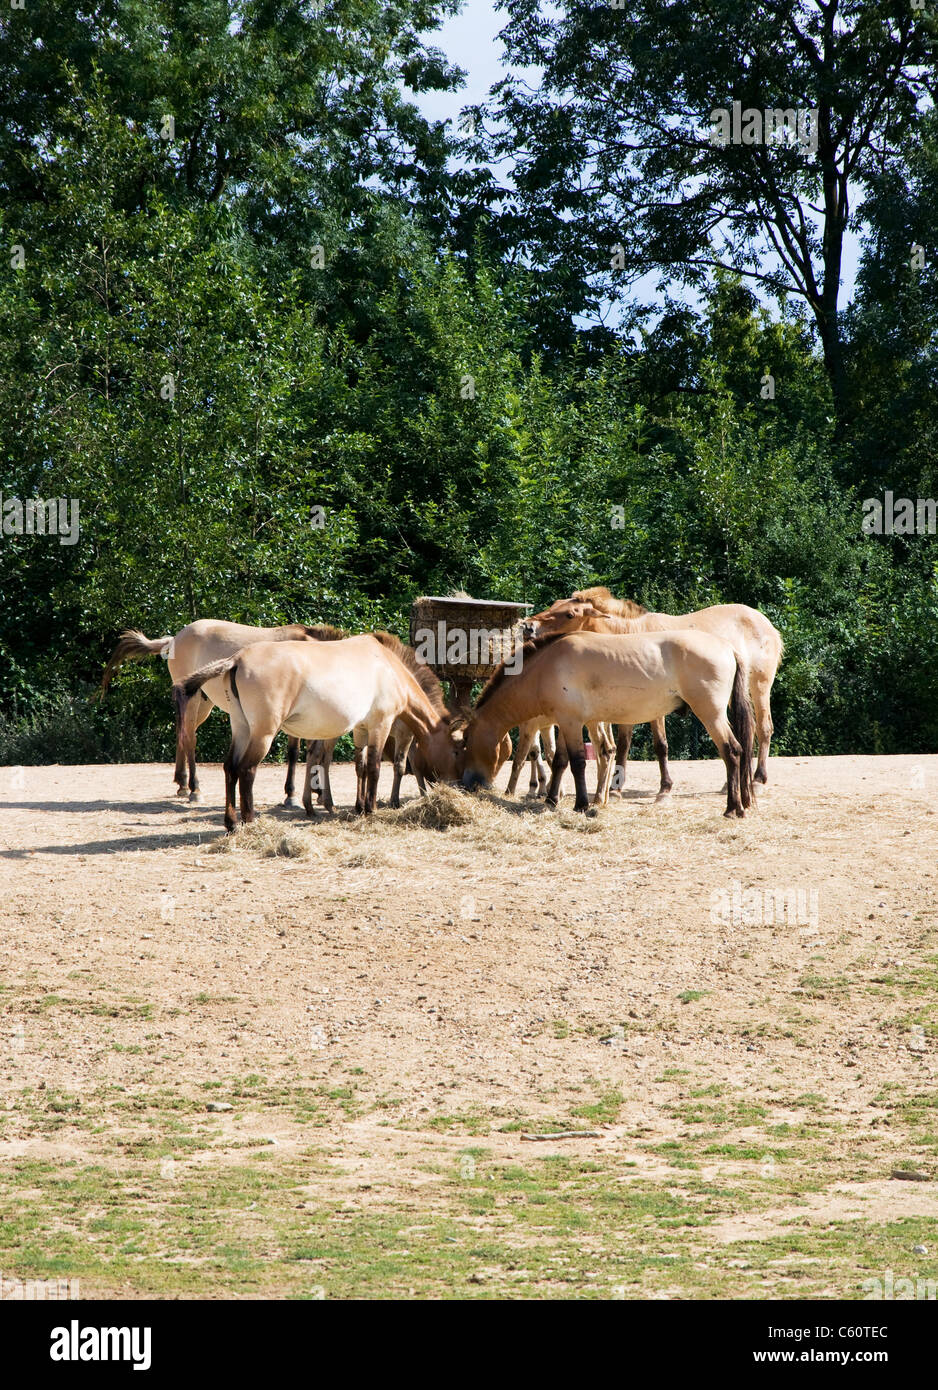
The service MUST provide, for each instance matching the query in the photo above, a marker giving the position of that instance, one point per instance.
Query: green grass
(552, 1226)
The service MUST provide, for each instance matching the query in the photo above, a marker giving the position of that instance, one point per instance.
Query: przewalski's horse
(591, 677)
(400, 747)
(746, 629)
(318, 690)
(194, 646)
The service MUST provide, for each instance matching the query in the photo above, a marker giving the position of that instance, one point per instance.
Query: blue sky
(470, 40)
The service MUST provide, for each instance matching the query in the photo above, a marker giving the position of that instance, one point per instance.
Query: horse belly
(621, 691)
(322, 713)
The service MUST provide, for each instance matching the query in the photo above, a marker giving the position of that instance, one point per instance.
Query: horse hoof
(663, 798)
(293, 802)
(181, 791)
(195, 797)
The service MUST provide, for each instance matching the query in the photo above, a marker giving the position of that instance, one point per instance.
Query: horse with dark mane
(590, 677)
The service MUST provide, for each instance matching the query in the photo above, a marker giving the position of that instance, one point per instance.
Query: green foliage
(254, 437)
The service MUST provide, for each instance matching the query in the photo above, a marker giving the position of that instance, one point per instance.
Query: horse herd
(589, 660)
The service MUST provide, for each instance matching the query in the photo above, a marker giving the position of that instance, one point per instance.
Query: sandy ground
(495, 980)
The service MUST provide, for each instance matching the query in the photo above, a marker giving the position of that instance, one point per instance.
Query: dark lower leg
(246, 788)
(559, 767)
(578, 768)
(293, 750)
(661, 753)
(734, 806)
(371, 789)
(231, 784)
(193, 773)
(622, 757)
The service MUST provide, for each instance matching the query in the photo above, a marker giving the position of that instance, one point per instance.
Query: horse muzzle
(472, 781)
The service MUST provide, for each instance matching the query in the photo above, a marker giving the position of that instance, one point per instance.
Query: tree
(616, 173)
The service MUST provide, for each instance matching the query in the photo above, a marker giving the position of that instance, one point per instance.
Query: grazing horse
(746, 629)
(194, 646)
(319, 690)
(400, 747)
(588, 677)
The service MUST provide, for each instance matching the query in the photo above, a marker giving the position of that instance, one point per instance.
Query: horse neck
(419, 714)
(507, 706)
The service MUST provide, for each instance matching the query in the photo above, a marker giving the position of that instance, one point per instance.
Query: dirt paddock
(322, 1061)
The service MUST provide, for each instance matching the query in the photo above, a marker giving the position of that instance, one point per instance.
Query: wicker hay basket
(485, 628)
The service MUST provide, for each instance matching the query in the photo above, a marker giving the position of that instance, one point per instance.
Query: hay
(442, 808)
(483, 819)
(271, 840)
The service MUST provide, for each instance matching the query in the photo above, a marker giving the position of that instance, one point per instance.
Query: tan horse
(591, 677)
(400, 748)
(318, 690)
(194, 646)
(746, 629)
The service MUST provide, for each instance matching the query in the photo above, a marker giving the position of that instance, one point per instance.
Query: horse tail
(133, 646)
(743, 726)
(184, 690)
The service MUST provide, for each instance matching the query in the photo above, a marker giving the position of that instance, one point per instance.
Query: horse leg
(401, 750)
(360, 778)
(526, 736)
(255, 753)
(539, 769)
(196, 713)
(376, 742)
(325, 789)
(558, 767)
(601, 739)
(730, 750)
(760, 688)
(314, 755)
(372, 770)
(622, 758)
(571, 737)
(544, 767)
(659, 739)
(179, 771)
(234, 760)
(289, 787)
(231, 789)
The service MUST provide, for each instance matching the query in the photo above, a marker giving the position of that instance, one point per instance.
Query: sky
(470, 40)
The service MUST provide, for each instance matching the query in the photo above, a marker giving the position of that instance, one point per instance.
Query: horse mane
(601, 598)
(324, 633)
(421, 672)
(529, 649)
